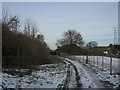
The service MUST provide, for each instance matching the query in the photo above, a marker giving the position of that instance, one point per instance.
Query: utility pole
(115, 36)
(119, 22)
(119, 35)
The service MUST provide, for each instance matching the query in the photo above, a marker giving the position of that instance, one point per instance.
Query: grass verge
(55, 59)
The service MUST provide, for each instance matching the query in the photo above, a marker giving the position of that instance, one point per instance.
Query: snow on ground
(63, 74)
(103, 76)
(115, 63)
(46, 76)
(72, 81)
(85, 77)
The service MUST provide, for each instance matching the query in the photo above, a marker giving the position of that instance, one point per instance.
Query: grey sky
(94, 20)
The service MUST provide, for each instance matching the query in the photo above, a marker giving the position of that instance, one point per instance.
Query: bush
(19, 49)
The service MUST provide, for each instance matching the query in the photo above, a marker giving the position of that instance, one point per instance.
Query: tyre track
(77, 78)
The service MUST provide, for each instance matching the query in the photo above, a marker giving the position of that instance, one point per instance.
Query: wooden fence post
(102, 63)
(80, 58)
(97, 61)
(110, 65)
(83, 59)
(91, 60)
(86, 59)
(94, 60)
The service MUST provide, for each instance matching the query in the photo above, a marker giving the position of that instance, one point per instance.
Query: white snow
(48, 76)
(115, 67)
(85, 78)
(72, 82)
(98, 76)
(55, 75)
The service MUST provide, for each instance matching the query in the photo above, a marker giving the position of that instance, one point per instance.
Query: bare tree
(30, 28)
(34, 30)
(91, 44)
(5, 15)
(71, 37)
(27, 27)
(14, 23)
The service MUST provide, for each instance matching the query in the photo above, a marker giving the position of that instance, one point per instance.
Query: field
(45, 76)
(62, 74)
(102, 63)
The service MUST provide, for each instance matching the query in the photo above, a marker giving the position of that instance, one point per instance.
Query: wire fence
(102, 63)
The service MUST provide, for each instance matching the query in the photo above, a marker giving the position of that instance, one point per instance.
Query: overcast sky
(94, 20)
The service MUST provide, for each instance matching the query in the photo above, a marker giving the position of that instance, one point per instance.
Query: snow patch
(85, 78)
(112, 80)
(48, 76)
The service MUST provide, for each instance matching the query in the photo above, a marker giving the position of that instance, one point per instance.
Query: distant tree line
(22, 46)
(114, 49)
(72, 43)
